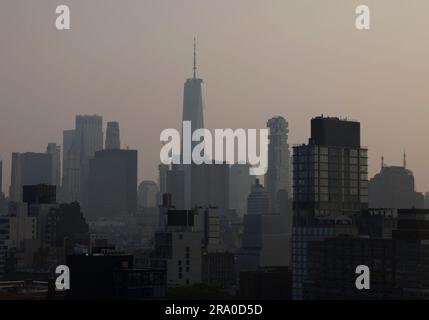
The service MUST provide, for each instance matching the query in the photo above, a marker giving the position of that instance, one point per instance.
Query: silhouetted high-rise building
(70, 187)
(147, 194)
(331, 172)
(278, 174)
(258, 200)
(29, 169)
(112, 136)
(55, 151)
(330, 182)
(193, 112)
(175, 186)
(257, 206)
(193, 100)
(240, 184)
(112, 183)
(89, 132)
(162, 180)
(393, 187)
(266, 237)
(79, 147)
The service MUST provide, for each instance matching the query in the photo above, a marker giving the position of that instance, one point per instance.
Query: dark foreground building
(113, 277)
(399, 263)
(266, 284)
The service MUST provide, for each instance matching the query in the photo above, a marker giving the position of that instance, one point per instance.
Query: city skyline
(355, 63)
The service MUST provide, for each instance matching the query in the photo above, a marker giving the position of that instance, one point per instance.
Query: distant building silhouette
(265, 234)
(70, 187)
(193, 100)
(55, 151)
(257, 205)
(258, 200)
(79, 147)
(278, 173)
(393, 187)
(147, 194)
(112, 184)
(162, 180)
(240, 184)
(112, 136)
(89, 134)
(175, 179)
(193, 112)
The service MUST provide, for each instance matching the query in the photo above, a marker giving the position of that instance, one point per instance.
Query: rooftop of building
(330, 118)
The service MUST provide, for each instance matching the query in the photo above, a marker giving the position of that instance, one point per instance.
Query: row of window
(305, 179)
(315, 150)
(331, 198)
(315, 167)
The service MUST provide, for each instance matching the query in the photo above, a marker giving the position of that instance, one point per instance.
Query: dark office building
(335, 132)
(331, 172)
(332, 264)
(41, 194)
(112, 183)
(99, 277)
(330, 184)
(398, 263)
(266, 284)
(219, 269)
(412, 253)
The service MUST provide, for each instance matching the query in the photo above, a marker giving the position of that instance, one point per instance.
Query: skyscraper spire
(382, 161)
(405, 159)
(195, 58)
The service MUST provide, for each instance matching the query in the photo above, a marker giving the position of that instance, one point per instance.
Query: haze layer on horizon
(127, 61)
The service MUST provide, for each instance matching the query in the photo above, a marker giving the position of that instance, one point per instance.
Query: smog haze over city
(214, 157)
(127, 61)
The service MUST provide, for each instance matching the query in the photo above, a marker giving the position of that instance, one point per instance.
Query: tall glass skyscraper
(193, 99)
(193, 112)
(89, 134)
(330, 173)
(330, 183)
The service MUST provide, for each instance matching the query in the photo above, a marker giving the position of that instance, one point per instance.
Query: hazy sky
(127, 60)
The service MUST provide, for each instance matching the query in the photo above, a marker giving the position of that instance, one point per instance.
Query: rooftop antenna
(195, 58)
(382, 161)
(405, 159)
